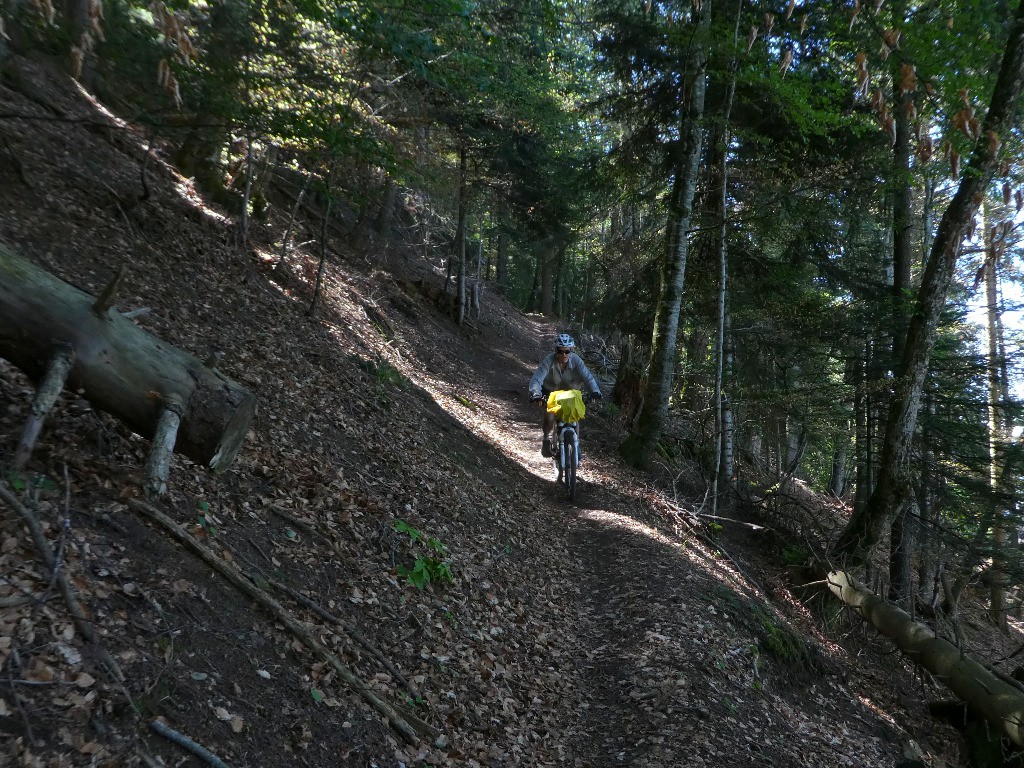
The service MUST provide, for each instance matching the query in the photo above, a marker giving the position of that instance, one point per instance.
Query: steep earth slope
(603, 633)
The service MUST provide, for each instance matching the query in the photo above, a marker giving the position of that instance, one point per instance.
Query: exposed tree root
(186, 743)
(411, 728)
(352, 632)
(82, 623)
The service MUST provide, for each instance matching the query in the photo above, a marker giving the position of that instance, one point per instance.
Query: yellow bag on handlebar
(567, 404)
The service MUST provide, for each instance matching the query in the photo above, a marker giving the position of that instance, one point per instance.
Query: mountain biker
(560, 369)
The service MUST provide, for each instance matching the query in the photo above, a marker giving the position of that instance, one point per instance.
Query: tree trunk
(321, 268)
(460, 241)
(1000, 703)
(865, 529)
(861, 403)
(728, 472)
(243, 223)
(119, 367)
(534, 301)
(927, 539)
(639, 446)
(545, 259)
(628, 390)
(722, 211)
(225, 40)
(387, 209)
(902, 539)
(286, 239)
(478, 281)
(837, 480)
(997, 432)
(501, 262)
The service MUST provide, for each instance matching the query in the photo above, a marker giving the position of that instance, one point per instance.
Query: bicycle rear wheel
(569, 474)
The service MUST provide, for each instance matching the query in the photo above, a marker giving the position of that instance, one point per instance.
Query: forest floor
(613, 631)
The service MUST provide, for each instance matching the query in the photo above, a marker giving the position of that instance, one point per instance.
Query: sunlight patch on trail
(705, 557)
(616, 520)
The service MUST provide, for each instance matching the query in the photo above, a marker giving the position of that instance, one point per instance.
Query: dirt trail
(669, 666)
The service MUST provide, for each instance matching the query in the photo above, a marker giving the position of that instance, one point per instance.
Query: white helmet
(565, 341)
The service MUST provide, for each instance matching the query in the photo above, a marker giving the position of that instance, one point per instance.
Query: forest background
(771, 221)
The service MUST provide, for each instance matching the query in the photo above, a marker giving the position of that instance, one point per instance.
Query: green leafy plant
(429, 566)
(204, 520)
(795, 554)
(387, 379)
(389, 375)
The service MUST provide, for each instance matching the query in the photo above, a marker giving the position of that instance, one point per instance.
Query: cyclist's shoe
(545, 448)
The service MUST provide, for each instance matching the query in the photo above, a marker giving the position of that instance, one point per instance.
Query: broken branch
(408, 726)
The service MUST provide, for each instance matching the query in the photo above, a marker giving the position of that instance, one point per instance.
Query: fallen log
(1000, 703)
(155, 388)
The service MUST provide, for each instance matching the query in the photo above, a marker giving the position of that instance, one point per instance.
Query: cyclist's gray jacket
(548, 377)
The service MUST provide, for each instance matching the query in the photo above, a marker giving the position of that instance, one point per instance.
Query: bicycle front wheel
(569, 473)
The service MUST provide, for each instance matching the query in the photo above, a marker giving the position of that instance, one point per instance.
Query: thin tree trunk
(479, 276)
(534, 301)
(501, 265)
(639, 446)
(460, 241)
(997, 438)
(243, 226)
(545, 260)
(323, 250)
(928, 541)
(722, 206)
(837, 479)
(387, 209)
(728, 472)
(864, 530)
(862, 442)
(901, 540)
(291, 224)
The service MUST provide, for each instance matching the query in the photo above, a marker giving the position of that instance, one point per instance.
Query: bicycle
(566, 457)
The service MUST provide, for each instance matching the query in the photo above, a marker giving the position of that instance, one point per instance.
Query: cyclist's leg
(548, 424)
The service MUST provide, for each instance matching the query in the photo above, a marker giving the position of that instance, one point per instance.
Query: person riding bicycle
(561, 369)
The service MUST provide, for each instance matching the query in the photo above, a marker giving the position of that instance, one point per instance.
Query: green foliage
(430, 566)
(386, 378)
(795, 554)
(204, 519)
(388, 375)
